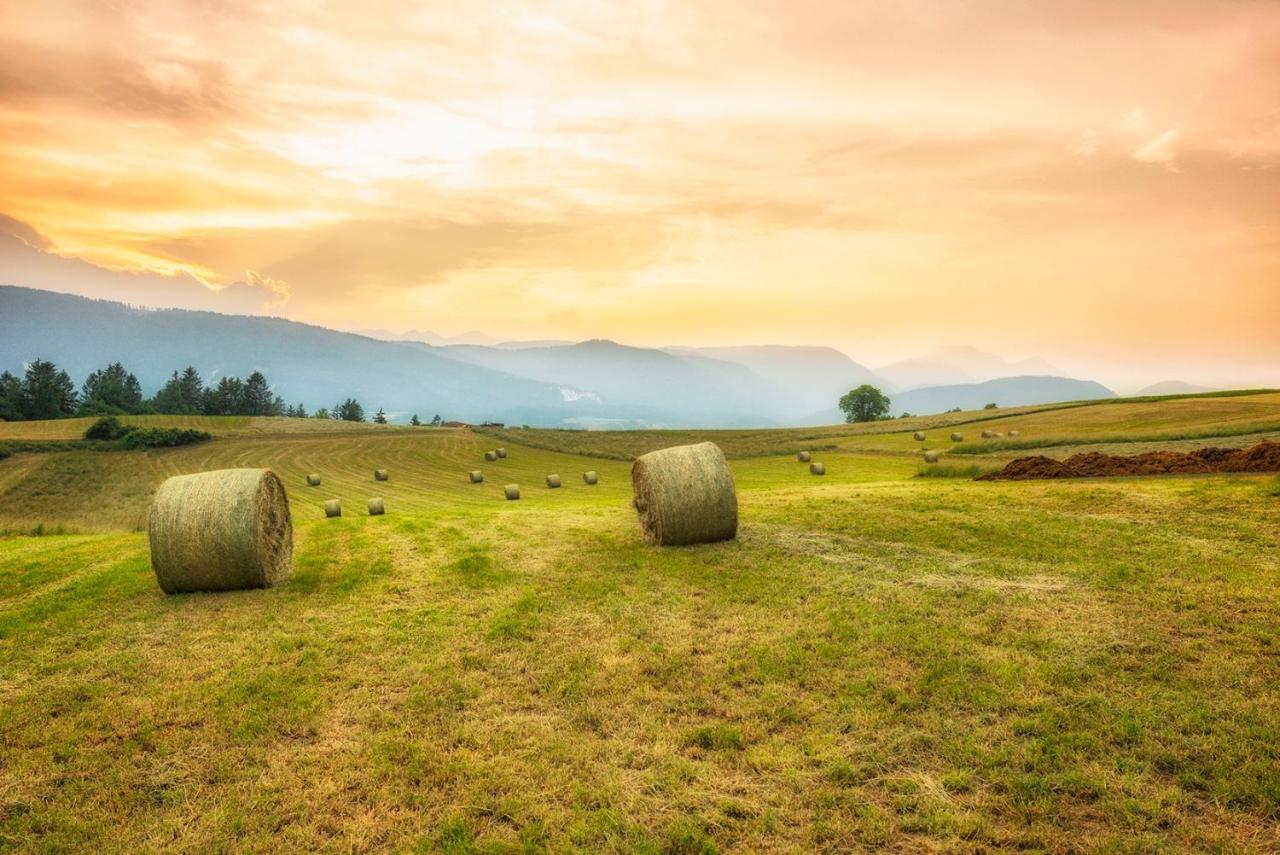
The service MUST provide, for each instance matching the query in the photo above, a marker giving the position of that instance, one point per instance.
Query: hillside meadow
(879, 661)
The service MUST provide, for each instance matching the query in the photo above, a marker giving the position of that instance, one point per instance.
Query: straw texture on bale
(501, 452)
(590, 477)
(476, 476)
(685, 495)
(313, 480)
(919, 435)
(931, 457)
(491, 456)
(380, 475)
(803, 457)
(818, 468)
(333, 508)
(221, 531)
(957, 437)
(377, 507)
(512, 492)
(553, 481)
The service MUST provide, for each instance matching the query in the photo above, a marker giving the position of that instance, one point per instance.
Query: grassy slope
(878, 661)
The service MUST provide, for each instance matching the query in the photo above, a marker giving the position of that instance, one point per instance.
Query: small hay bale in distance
(685, 495)
(377, 507)
(476, 476)
(803, 457)
(501, 452)
(491, 456)
(957, 437)
(919, 436)
(221, 531)
(313, 480)
(553, 481)
(931, 457)
(1015, 433)
(512, 492)
(590, 477)
(988, 434)
(333, 508)
(817, 469)
(381, 475)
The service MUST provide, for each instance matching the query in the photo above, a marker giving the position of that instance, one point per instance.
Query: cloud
(1160, 150)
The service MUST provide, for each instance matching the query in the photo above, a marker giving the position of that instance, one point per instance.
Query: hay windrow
(685, 495)
(377, 507)
(803, 457)
(817, 469)
(553, 481)
(381, 475)
(221, 531)
(313, 480)
(476, 476)
(590, 477)
(512, 492)
(333, 508)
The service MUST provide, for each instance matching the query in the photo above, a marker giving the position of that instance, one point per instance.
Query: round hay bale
(377, 507)
(476, 476)
(553, 481)
(333, 508)
(491, 456)
(313, 480)
(501, 452)
(803, 457)
(817, 469)
(512, 492)
(919, 435)
(381, 475)
(590, 477)
(931, 457)
(221, 531)
(957, 437)
(1015, 433)
(988, 434)
(684, 495)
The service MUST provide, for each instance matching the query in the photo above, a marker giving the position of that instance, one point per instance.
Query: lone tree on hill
(864, 404)
(380, 417)
(349, 411)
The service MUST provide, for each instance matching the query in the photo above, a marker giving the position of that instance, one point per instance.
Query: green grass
(879, 661)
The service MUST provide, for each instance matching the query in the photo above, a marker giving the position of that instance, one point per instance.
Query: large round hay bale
(220, 531)
(333, 508)
(553, 481)
(803, 457)
(919, 436)
(931, 457)
(476, 476)
(377, 507)
(817, 469)
(512, 492)
(501, 452)
(313, 480)
(491, 456)
(685, 495)
(590, 477)
(957, 437)
(381, 475)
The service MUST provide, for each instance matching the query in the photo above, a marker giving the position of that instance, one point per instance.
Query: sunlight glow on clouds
(881, 177)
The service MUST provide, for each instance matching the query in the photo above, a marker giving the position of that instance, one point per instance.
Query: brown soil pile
(1263, 457)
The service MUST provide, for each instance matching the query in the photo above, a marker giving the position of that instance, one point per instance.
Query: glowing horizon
(1097, 186)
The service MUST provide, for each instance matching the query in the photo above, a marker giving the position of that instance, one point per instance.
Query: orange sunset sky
(1096, 183)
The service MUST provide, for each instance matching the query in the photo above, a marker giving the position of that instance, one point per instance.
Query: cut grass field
(879, 661)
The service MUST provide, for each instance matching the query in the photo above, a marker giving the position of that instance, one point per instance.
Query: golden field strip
(880, 661)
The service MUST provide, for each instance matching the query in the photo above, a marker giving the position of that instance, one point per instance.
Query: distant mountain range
(593, 384)
(957, 365)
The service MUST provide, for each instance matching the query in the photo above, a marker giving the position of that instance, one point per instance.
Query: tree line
(46, 391)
